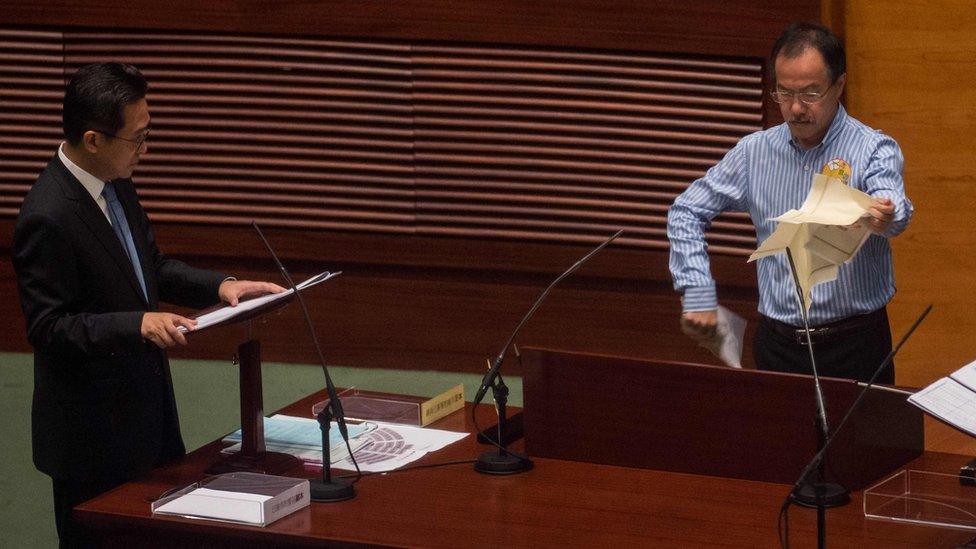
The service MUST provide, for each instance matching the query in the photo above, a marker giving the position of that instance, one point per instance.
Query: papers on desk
(302, 438)
(227, 312)
(246, 498)
(392, 446)
(820, 235)
(952, 399)
(378, 447)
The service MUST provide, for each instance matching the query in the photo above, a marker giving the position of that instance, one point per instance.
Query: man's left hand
(879, 216)
(231, 291)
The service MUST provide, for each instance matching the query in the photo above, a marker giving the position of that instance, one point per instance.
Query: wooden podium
(253, 456)
(708, 420)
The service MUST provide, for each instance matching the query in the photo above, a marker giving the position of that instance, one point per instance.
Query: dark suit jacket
(103, 398)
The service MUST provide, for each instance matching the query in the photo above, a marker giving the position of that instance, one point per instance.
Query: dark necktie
(121, 226)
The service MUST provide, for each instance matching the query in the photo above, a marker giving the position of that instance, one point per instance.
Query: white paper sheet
(378, 447)
(820, 234)
(227, 312)
(966, 375)
(392, 446)
(218, 504)
(302, 438)
(950, 401)
(726, 343)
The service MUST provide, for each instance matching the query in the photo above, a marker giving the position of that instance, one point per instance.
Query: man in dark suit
(91, 278)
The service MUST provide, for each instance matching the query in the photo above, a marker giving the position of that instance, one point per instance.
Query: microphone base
(330, 492)
(817, 495)
(967, 473)
(494, 463)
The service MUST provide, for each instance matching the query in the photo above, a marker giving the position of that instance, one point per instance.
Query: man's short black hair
(800, 36)
(96, 96)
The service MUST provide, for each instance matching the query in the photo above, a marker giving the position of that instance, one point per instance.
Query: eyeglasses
(807, 98)
(137, 142)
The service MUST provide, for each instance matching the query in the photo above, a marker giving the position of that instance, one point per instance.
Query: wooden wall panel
(912, 74)
(572, 145)
(551, 144)
(733, 27)
(31, 89)
(313, 134)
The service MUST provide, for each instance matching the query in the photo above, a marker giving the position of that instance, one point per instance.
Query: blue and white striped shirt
(766, 174)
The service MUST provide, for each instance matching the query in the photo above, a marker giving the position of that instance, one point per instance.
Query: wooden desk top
(558, 503)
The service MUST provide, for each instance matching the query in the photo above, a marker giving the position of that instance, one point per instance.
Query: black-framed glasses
(137, 142)
(807, 98)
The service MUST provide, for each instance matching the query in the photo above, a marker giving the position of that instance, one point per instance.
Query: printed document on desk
(392, 445)
(302, 438)
(227, 312)
(952, 399)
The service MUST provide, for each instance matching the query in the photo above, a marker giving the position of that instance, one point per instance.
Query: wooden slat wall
(444, 140)
(31, 89)
(570, 145)
(312, 134)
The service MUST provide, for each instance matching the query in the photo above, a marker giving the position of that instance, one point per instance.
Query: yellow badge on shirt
(838, 168)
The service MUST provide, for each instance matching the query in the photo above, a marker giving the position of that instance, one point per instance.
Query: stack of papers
(302, 438)
(378, 447)
(246, 498)
(227, 312)
(952, 399)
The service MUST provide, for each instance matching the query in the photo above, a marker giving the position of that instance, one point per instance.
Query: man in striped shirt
(770, 172)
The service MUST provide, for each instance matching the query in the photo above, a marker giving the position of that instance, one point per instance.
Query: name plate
(441, 405)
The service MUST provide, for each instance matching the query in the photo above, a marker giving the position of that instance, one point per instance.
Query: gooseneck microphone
(818, 458)
(327, 489)
(818, 494)
(821, 405)
(503, 462)
(489, 378)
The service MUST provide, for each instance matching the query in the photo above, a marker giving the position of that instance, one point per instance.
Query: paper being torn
(820, 235)
(726, 342)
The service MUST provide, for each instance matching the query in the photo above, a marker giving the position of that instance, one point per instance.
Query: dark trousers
(852, 354)
(68, 494)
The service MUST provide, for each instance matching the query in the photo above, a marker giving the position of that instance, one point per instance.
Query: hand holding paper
(880, 215)
(725, 341)
(223, 313)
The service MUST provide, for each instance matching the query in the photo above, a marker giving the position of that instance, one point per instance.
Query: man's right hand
(163, 329)
(699, 324)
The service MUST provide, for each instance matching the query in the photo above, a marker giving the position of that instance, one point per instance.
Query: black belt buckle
(967, 474)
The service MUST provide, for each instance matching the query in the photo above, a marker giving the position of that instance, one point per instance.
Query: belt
(839, 329)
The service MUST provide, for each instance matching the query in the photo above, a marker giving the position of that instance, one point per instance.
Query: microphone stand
(819, 494)
(327, 489)
(503, 462)
(818, 458)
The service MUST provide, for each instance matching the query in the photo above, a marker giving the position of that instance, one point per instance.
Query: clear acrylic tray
(370, 406)
(922, 497)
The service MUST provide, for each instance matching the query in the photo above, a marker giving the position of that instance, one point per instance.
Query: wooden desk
(558, 503)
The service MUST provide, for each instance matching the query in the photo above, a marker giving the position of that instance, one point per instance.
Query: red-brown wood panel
(734, 27)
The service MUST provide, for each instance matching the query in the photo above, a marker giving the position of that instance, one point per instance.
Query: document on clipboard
(226, 313)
